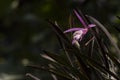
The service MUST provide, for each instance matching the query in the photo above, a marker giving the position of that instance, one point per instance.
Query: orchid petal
(73, 29)
(91, 25)
(73, 42)
(85, 31)
(80, 18)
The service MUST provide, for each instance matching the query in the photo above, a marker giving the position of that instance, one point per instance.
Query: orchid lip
(78, 33)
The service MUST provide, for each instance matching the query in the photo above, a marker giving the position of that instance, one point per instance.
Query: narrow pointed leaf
(58, 58)
(107, 34)
(64, 48)
(83, 67)
(51, 70)
(68, 69)
(98, 66)
(59, 32)
(113, 59)
(112, 42)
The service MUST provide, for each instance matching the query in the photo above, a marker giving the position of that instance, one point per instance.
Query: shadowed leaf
(59, 32)
(106, 32)
(51, 70)
(58, 58)
(98, 66)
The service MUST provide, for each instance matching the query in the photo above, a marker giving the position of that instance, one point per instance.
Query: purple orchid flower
(79, 32)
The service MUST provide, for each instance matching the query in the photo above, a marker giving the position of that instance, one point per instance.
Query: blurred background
(24, 31)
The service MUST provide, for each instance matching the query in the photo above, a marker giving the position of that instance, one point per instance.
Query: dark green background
(24, 31)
